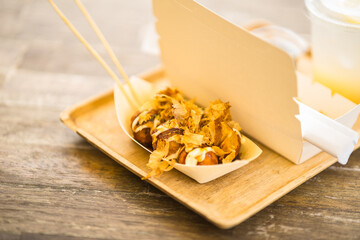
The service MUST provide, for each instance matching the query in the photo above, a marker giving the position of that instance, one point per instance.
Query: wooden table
(54, 185)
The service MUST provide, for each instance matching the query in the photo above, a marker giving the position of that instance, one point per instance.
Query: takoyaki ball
(232, 143)
(182, 156)
(171, 92)
(134, 117)
(173, 145)
(198, 156)
(209, 159)
(218, 132)
(143, 136)
(230, 139)
(238, 146)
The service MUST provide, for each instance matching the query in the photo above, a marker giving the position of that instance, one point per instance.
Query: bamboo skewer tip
(134, 101)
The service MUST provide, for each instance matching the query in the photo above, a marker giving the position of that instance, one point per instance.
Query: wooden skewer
(94, 53)
(107, 46)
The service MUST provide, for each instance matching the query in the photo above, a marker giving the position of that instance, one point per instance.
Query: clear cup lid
(343, 12)
(346, 9)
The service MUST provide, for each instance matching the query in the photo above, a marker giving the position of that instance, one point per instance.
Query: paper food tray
(202, 174)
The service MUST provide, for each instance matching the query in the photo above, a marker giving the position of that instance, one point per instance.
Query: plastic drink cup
(335, 29)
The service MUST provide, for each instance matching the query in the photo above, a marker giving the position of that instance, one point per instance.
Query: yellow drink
(336, 46)
(345, 86)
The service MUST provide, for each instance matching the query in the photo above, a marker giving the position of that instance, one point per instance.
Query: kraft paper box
(207, 57)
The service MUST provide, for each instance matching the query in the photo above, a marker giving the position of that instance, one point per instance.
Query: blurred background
(47, 65)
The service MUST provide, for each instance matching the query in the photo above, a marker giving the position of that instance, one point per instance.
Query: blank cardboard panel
(208, 58)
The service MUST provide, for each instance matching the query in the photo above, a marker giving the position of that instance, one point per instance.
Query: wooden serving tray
(226, 201)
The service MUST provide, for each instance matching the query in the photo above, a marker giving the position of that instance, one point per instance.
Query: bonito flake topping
(173, 127)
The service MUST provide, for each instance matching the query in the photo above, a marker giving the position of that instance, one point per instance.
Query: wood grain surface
(54, 185)
(226, 201)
